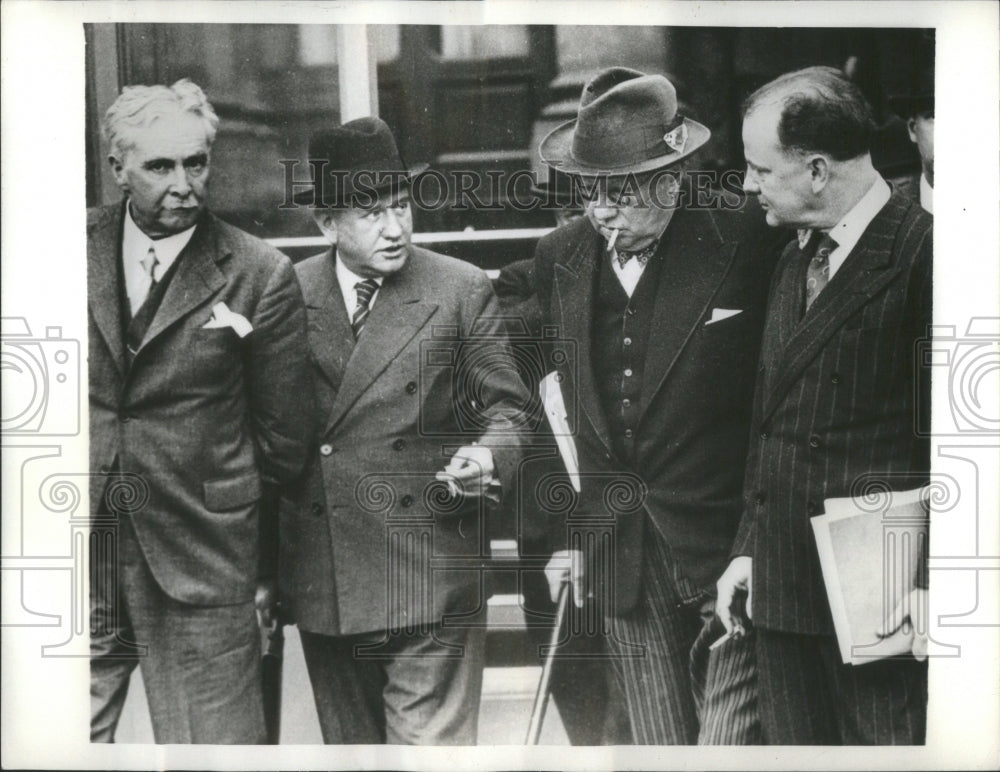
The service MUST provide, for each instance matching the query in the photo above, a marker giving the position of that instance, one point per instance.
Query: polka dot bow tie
(641, 255)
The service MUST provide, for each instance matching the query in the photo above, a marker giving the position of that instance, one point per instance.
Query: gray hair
(140, 106)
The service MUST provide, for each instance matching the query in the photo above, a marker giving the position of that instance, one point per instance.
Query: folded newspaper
(871, 556)
(555, 411)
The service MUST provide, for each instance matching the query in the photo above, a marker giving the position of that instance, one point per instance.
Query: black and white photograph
(500, 385)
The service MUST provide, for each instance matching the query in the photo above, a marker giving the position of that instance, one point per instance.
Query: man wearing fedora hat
(665, 304)
(419, 417)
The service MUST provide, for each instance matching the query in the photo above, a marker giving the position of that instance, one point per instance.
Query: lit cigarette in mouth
(613, 239)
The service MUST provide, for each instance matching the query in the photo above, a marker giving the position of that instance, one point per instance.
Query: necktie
(818, 270)
(641, 255)
(148, 263)
(143, 317)
(366, 291)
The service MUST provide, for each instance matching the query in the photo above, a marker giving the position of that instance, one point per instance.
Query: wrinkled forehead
(167, 130)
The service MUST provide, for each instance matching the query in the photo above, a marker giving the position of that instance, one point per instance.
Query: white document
(870, 555)
(555, 410)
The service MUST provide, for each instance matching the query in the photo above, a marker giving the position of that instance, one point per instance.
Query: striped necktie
(365, 291)
(148, 263)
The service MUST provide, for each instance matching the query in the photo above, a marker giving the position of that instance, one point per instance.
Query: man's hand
(736, 578)
(563, 564)
(912, 606)
(266, 602)
(469, 471)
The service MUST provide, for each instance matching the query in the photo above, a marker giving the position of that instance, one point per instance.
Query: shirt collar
(848, 231)
(135, 244)
(347, 279)
(926, 194)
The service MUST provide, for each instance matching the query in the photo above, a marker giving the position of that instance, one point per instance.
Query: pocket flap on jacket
(232, 492)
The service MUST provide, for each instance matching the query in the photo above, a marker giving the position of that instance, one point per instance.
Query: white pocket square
(718, 314)
(223, 317)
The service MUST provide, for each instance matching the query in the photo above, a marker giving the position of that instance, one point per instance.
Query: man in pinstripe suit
(834, 405)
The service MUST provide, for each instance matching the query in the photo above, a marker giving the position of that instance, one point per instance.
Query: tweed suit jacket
(202, 415)
(696, 394)
(835, 407)
(370, 541)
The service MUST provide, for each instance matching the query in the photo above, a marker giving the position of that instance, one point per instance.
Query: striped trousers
(676, 690)
(809, 697)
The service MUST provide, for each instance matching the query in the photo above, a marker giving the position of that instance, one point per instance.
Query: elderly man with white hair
(196, 340)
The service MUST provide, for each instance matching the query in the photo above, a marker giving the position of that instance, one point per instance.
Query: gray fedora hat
(628, 123)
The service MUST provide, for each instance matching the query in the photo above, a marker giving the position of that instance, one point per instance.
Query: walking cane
(271, 667)
(544, 683)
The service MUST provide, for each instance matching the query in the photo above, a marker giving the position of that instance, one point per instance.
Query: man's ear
(118, 170)
(819, 172)
(327, 223)
(911, 128)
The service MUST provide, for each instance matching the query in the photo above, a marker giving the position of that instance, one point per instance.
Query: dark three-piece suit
(658, 390)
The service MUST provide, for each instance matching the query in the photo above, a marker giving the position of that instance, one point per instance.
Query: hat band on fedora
(623, 147)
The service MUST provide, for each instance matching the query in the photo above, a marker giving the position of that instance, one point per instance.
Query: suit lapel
(695, 261)
(574, 296)
(330, 335)
(103, 254)
(399, 313)
(197, 279)
(865, 272)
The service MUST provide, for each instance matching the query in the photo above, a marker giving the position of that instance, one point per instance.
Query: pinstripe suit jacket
(835, 405)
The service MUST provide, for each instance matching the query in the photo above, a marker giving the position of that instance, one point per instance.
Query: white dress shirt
(629, 274)
(848, 231)
(347, 279)
(135, 247)
(926, 195)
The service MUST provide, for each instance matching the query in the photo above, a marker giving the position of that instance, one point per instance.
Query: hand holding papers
(555, 411)
(870, 561)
